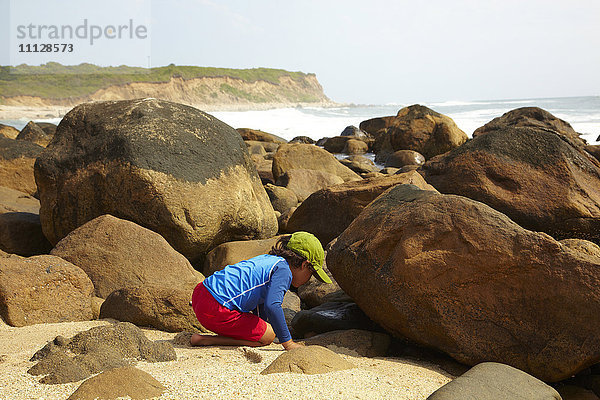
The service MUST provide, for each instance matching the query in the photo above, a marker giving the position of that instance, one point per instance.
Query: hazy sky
(380, 51)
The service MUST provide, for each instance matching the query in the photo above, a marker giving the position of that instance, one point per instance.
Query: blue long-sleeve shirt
(260, 282)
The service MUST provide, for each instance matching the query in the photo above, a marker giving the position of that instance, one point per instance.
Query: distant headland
(54, 85)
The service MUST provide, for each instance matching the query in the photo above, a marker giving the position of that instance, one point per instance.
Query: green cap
(309, 247)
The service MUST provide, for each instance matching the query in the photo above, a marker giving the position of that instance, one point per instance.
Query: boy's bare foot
(201, 340)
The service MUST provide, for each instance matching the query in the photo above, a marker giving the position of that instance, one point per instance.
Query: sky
(364, 52)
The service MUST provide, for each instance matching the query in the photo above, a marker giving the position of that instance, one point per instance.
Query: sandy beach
(221, 372)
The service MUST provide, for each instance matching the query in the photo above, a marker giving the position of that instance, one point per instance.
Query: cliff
(57, 85)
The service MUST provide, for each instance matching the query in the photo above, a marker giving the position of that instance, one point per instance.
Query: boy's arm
(280, 282)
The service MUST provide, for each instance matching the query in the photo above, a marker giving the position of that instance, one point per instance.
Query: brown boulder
(166, 309)
(9, 132)
(335, 144)
(33, 133)
(533, 176)
(420, 129)
(17, 158)
(328, 212)
(377, 126)
(451, 273)
(43, 289)
(119, 382)
(232, 252)
(532, 117)
(267, 146)
(308, 360)
(360, 164)
(304, 182)
(165, 166)
(264, 169)
(401, 158)
(259, 136)
(308, 156)
(355, 146)
(256, 149)
(116, 253)
(281, 198)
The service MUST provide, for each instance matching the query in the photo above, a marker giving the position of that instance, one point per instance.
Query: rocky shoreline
(459, 253)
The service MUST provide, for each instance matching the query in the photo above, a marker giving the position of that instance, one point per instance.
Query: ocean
(583, 113)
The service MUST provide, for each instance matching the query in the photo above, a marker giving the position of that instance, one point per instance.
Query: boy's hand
(290, 344)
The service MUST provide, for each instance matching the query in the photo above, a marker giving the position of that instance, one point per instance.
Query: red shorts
(223, 321)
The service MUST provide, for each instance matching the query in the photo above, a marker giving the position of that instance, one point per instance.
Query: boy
(224, 302)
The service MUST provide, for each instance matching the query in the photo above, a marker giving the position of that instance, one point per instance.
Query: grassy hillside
(53, 80)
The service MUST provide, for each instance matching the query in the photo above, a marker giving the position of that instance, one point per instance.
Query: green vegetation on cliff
(53, 80)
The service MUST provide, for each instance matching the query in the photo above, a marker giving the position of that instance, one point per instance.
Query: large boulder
(308, 156)
(259, 136)
(8, 131)
(417, 128)
(168, 167)
(304, 182)
(43, 289)
(533, 117)
(533, 176)
(163, 308)
(233, 252)
(454, 274)
(328, 212)
(116, 253)
(33, 133)
(17, 158)
(495, 381)
(21, 233)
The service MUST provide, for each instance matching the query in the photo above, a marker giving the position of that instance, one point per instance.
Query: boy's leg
(211, 340)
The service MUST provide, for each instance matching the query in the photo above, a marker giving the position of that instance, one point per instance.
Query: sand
(221, 372)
